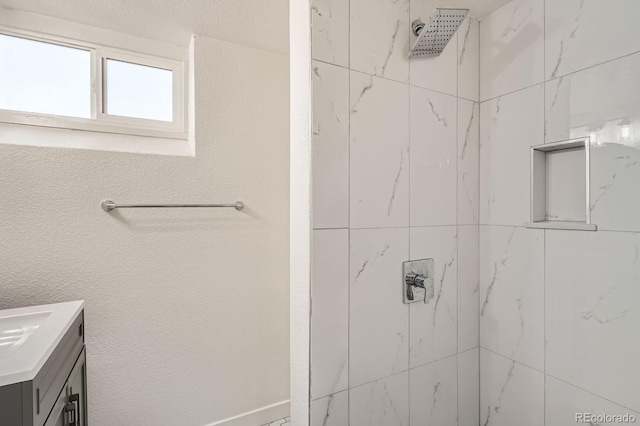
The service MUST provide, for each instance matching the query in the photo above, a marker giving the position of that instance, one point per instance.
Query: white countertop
(29, 335)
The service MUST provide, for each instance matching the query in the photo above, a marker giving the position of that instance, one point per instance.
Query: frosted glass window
(64, 83)
(44, 78)
(140, 91)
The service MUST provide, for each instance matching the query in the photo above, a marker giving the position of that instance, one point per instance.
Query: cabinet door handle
(72, 408)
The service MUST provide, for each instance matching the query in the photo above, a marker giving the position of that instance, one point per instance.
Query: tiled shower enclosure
(429, 158)
(395, 170)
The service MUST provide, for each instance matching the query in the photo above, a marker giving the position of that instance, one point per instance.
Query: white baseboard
(257, 417)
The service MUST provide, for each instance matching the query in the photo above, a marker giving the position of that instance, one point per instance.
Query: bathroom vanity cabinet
(51, 388)
(70, 407)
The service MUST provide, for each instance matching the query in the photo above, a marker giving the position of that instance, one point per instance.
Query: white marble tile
(512, 46)
(434, 393)
(330, 320)
(592, 312)
(469, 60)
(591, 101)
(615, 176)
(438, 73)
(603, 103)
(380, 38)
(468, 162)
(564, 402)
(330, 146)
(384, 402)
(332, 410)
(433, 158)
(469, 388)
(509, 126)
(379, 320)
(512, 293)
(433, 325)
(468, 287)
(557, 110)
(379, 152)
(330, 31)
(510, 393)
(582, 33)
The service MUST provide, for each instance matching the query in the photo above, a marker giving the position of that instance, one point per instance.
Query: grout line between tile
(407, 370)
(310, 270)
(591, 393)
(511, 359)
(522, 89)
(545, 81)
(457, 199)
(478, 218)
(468, 350)
(590, 66)
(544, 234)
(397, 81)
(544, 323)
(409, 232)
(349, 223)
(331, 394)
(402, 227)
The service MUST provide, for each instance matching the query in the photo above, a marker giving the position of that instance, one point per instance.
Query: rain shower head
(434, 36)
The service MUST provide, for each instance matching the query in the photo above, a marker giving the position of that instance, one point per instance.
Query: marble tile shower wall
(395, 177)
(559, 310)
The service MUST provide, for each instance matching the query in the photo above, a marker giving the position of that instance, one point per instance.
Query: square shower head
(435, 35)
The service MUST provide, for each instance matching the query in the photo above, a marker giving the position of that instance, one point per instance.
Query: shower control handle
(410, 280)
(416, 286)
(417, 281)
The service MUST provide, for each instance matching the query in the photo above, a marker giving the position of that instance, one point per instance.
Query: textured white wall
(187, 319)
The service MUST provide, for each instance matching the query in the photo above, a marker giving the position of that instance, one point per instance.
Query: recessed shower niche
(560, 186)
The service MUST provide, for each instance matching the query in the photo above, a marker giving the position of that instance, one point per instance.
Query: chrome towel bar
(108, 205)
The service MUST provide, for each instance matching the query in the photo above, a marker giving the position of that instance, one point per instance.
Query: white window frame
(100, 121)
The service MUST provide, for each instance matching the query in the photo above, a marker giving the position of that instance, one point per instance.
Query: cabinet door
(58, 415)
(77, 385)
(56, 420)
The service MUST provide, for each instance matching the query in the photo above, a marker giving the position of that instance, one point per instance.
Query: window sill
(17, 134)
